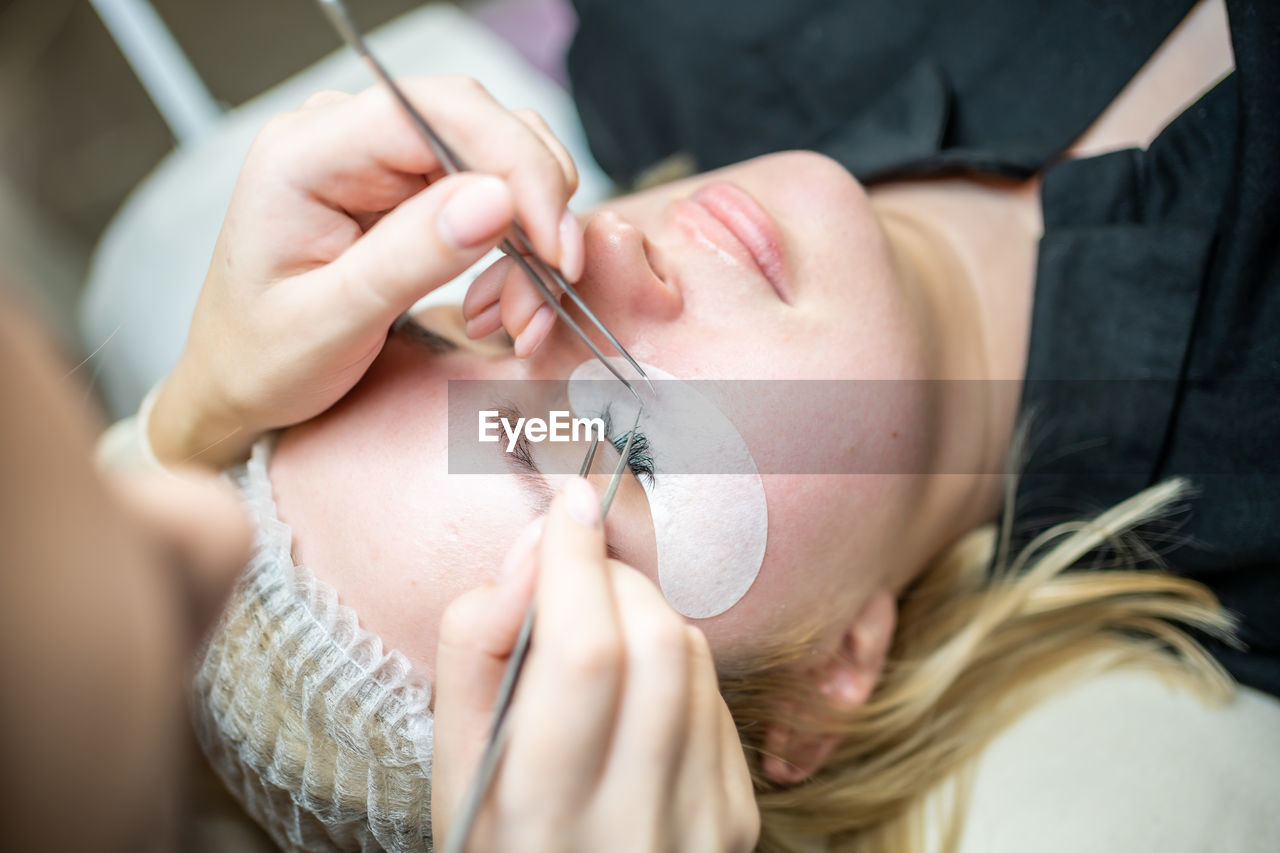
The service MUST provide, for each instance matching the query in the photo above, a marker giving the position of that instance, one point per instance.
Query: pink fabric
(539, 29)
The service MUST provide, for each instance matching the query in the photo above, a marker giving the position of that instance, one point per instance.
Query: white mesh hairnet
(322, 736)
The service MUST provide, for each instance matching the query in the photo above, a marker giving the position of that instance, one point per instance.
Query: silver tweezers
(539, 273)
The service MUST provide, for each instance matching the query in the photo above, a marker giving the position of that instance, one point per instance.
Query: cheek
(830, 545)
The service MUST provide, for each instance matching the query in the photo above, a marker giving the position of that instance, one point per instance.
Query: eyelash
(422, 335)
(640, 459)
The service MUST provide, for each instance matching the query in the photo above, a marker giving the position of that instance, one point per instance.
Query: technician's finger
(503, 296)
(574, 583)
(499, 143)
(364, 155)
(576, 652)
(524, 313)
(701, 765)
(477, 634)
(423, 243)
(490, 138)
(653, 719)
(571, 244)
(484, 291)
(743, 813)
(539, 126)
(713, 760)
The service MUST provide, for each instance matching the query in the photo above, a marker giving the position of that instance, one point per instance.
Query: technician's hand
(620, 740)
(340, 221)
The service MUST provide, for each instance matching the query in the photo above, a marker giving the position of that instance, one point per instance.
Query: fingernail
(486, 288)
(475, 213)
(470, 307)
(571, 252)
(484, 323)
(581, 503)
(520, 549)
(536, 332)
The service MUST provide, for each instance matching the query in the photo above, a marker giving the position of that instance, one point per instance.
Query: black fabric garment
(1155, 342)
(887, 87)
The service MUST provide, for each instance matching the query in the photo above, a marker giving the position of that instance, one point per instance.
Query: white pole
(166, 73)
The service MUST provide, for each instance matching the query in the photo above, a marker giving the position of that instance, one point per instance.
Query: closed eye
(530, 477)
(421, 335)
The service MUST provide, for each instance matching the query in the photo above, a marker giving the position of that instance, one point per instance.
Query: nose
(624, 273)
(624, 285)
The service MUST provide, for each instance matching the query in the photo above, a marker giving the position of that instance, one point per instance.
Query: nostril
(628, 269)
(664, 279)
(657, 261)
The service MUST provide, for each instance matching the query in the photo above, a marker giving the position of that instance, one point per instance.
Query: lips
(752, 227)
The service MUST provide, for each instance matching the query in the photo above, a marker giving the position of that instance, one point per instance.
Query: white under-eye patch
(710, 526)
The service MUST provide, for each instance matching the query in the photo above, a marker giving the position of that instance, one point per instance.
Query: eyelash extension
(640, 459)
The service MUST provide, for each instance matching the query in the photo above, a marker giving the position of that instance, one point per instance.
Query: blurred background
(78, 130)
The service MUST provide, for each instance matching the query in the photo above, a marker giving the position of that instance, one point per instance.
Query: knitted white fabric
(323, 736)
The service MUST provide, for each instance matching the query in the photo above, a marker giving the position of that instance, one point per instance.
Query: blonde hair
(980, 638)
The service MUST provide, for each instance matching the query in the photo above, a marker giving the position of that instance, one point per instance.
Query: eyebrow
(520, 461)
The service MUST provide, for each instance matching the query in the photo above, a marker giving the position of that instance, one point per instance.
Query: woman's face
(376, 513)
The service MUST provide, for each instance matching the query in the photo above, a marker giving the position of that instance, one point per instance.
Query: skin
(660, 278)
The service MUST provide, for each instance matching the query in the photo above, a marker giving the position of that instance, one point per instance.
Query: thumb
(423, 243)
(477, 635)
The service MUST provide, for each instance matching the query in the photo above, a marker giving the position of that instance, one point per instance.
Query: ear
(842, 682)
